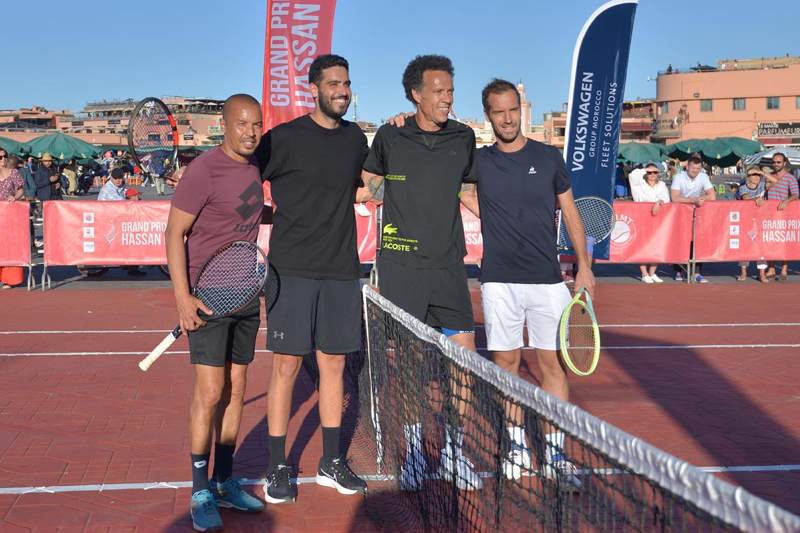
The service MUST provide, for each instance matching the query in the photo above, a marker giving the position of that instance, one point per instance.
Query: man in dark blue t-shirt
(519, 183)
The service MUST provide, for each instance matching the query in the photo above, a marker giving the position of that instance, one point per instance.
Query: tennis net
(410, 383)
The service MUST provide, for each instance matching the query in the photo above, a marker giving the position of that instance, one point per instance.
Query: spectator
(692, 187)
(782, 186)
(753, 189)
(736, 65)
(28, 185)
(646, 187)
(72, 178)
(11, 189)
(114, 189)
(133, 194)
(46, 179)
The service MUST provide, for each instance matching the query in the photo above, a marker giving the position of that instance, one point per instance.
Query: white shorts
(507, 306)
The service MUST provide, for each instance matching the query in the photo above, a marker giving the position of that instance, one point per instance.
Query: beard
(507, 137)
(331, 110)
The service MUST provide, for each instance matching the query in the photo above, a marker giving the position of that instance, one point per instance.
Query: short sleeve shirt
(758, 192)
(517, 194)
(111, 193)
(424, 172)
(10, 185)
(226, 197)
(691, 188)
(784, 188)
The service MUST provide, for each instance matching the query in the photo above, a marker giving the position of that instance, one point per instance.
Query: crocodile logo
(389, 229)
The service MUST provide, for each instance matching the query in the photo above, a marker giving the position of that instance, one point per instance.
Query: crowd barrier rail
(15, 245)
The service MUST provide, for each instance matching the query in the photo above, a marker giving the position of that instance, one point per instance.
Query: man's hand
(783, 204)
(700, 200)
(173, 179)
(585, 279)
(399, 120)
(187, 312)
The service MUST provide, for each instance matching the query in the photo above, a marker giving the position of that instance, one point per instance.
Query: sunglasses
(651, 172)
(4, 156)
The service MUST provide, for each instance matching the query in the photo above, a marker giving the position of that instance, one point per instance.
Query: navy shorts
(228, 339)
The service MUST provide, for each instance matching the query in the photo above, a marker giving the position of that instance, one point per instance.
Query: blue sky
(86, 50)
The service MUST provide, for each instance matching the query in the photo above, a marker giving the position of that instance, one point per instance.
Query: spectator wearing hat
(45, 178)
(133, 194)
(114, 189)
(646, 187)
(753, 189)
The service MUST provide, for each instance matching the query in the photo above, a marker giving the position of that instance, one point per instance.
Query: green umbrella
(63, 147)
(14, 147)
(722, 151)
(642, 152)
(743, 147)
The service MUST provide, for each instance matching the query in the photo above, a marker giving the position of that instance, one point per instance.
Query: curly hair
(412, 77)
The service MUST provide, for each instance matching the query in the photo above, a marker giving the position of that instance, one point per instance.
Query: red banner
(15, 246)
(105, 233)
(640, 237)
(472, 236)
(742, 231)
(297, 32)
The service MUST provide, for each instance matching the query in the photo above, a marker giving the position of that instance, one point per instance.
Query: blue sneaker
(205, 515)
(231, 495)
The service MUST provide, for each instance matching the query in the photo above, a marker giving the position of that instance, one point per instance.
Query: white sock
(459, 436)
(517, 435)
(555, 446)
(413, 435)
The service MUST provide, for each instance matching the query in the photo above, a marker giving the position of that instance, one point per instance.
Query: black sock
(223, 462)
(200, 471)
(330, 443)
(277, 451)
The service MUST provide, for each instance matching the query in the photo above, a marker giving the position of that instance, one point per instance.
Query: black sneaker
(338, 475)
(278, 485)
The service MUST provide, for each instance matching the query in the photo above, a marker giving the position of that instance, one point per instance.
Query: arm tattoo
(468, 187)
(373, 184)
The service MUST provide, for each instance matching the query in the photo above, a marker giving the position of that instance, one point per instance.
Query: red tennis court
(88, 442)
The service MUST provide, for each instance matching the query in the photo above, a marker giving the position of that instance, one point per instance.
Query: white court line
(477, 326)
(668, 347)
(311, 480)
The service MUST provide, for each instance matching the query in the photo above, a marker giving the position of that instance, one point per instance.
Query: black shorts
(229, 339)
(315, 314)
(439, 297)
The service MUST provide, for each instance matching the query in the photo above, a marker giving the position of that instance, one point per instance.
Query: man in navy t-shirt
(519, 182)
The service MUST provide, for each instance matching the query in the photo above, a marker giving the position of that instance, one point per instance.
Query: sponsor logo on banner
(88, 218)
(624, 231)
(111, 233)
(753, 233)
(88, 233)
(734, 244)
(734, 216)
(88, 247)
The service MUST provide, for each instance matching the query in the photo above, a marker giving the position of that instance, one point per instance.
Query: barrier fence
(95, 233)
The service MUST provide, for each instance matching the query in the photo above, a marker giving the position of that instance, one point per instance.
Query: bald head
(242, 125)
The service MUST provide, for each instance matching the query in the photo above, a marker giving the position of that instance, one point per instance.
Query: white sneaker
(464, 476)
(517, 460)
(656, 279)
(648, 279)
(412, 473)
(564, 474)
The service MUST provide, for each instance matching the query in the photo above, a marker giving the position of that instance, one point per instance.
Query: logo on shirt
(532, 171)
(396, 177)
(251, 204)
(389, 229)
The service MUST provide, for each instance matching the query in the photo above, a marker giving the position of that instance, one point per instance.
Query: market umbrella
(14, 147)
(642, 153)
(722, 151)
(765, 157)
(63, 147)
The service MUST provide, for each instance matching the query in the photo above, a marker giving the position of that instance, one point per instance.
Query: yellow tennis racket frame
(563, 334)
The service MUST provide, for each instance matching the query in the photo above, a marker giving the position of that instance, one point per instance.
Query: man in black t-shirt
(519, 182)
(426, 166)
(314, 166)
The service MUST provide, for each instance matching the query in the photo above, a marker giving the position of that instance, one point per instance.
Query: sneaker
(518, 459)
(205, 514)
(656, 279)
(700, 279)
(38, 243)
(459, 470)
(231, 495)
(278, 485)
(679, 277)
(563, 473)
(412, 473)
(338, 475)
(648, 279)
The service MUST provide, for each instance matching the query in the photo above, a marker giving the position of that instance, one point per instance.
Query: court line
(667, 347)
(477, 326)
(311, 480)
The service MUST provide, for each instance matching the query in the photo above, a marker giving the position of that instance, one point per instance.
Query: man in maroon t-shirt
(223, 204)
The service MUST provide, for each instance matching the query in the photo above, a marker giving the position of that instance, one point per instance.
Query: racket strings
(598, 220)
(231, 279)
(581, 337)
(153, 138)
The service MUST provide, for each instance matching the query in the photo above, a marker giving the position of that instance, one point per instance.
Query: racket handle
(145, 363)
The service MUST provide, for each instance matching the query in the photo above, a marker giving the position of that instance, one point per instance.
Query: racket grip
(145, 363)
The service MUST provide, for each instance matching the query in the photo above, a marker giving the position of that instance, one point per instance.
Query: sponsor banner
(597, 87)
(105, 233)
(366, 227)
(15, 246)
(472, 236)
(742, 231)
(640, 237)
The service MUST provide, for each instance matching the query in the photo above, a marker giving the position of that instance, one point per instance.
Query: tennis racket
(229, 281)
(598, 220)
(153, 137)
(579, 335)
